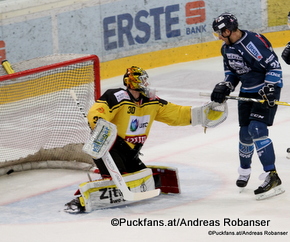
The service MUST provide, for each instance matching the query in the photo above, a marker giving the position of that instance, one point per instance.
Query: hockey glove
(268, 94)
(286, 54)
(221, 90)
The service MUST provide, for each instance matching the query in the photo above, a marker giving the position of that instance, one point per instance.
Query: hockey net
(41, 124)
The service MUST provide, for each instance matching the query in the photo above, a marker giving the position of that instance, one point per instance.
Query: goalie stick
(98, 146)
(246, 99)
(74, 96)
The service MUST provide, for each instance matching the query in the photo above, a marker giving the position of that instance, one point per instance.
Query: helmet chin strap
(136, 99)
(228, 37)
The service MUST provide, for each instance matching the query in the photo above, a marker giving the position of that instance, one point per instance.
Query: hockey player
(133, 111)
(286, 57)
(250, 60)
(286, 52)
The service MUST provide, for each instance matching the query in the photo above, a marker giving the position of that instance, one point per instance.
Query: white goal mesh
(39, 119)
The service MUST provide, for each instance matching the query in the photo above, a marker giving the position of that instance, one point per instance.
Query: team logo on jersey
(254, 51)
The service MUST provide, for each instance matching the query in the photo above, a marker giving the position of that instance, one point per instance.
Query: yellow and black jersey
(134, 119)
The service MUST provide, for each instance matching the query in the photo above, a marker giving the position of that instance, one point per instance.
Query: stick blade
(132, 196)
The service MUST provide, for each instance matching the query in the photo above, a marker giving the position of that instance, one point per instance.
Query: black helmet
(225, 21)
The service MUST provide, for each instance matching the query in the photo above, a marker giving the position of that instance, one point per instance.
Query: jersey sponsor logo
(100, 140)
(275, 74)
(140, 139)
(234, 56)
(101, 110)
(254, 51)
(113, 195)
(121, 95)
(135, 125)
(138, 125)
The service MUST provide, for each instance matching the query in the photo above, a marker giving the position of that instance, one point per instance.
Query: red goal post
(41, 125)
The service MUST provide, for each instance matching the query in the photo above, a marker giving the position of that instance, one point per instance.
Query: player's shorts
(256, 111)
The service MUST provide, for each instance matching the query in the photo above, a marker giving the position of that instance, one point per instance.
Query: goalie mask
(136, 78)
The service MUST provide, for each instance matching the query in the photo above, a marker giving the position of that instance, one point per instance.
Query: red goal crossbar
(93, 58)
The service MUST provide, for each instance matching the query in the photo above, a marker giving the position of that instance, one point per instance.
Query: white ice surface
(31, 202)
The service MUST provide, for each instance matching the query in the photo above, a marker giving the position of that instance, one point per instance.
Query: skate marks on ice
(46, 205)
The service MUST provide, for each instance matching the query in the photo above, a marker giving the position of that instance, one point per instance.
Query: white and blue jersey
(251, 61)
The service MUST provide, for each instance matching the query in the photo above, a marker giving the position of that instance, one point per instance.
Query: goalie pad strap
(166, 179)
(196, 116)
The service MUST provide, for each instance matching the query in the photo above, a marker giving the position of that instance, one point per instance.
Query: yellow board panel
(179, 54)
(277, 12)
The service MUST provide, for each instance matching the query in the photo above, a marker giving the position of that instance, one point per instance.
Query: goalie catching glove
(209, 115)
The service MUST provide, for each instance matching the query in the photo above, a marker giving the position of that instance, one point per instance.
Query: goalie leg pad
(104, 193)
(166, 179)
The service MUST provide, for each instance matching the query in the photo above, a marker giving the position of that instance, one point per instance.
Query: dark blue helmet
(225, 21)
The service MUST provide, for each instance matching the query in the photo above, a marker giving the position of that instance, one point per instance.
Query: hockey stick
(74, 96)
(98, 146)
(246, 99)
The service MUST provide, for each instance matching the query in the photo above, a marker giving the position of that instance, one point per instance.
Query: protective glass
(145, 86)
(216, 34)
(144, 80)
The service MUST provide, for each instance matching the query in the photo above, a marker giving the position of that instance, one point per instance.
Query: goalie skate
(74, 206)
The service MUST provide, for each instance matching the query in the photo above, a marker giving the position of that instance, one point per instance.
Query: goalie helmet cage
(41, 125)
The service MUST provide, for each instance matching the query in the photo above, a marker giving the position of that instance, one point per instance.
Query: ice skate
(288, 153)
(271, 186)
(74, 206)
(242, 181)
(243, 178)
